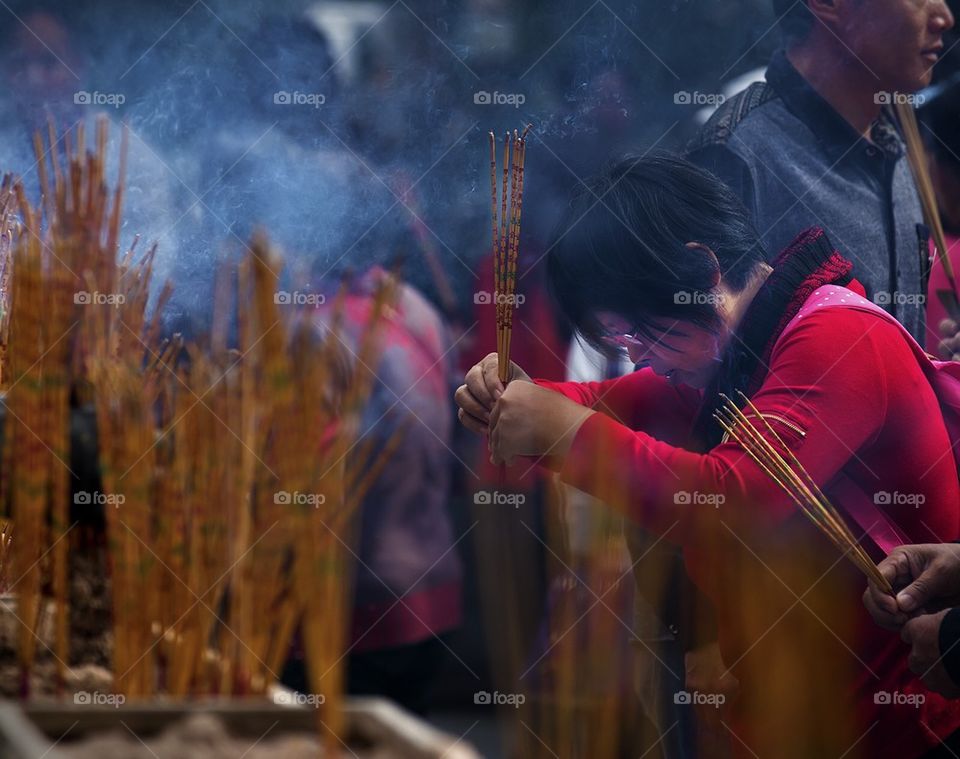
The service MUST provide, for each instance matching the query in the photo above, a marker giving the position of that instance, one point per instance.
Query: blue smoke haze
(310, 119)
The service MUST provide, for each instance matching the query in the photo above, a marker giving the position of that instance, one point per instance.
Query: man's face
(897, 41)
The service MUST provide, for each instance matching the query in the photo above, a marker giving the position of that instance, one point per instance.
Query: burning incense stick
(197, 438)
(6, 538)
(916, 154)
(8, 230)
(794, 479)
(506, 237)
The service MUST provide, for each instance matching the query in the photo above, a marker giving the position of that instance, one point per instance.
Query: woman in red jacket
(661, 261)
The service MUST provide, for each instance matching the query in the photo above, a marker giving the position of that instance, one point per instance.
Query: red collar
(792, 272)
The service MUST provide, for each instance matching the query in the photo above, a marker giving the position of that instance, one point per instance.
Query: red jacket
(845, 392)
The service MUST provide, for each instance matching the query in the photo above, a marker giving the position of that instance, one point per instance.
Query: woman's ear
(715, 264)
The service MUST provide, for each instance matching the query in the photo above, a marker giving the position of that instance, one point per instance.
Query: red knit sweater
(847, 395)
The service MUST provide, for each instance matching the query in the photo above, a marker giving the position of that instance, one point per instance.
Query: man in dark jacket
(816, 143)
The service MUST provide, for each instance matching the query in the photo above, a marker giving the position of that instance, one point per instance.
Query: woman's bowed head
(660, 263)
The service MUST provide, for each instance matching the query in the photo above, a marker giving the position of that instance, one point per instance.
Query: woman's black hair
(622, 247)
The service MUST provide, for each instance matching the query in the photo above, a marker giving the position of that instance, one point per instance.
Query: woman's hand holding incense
(482, 388)
(521, 418)
(529, 420)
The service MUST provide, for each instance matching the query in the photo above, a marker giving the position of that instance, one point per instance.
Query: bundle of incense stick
(506, 236)
(269, 401)
(65, 247)
(916, 154)
(307, 472)
(794, 479)
(6, 540)
(8, 229)
(196, 438)
(193, 502)
(26, 464)
(76, 231)
(128, 456)
(353, 468)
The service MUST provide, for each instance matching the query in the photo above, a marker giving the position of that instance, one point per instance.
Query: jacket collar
(809, 262)
(833, 132)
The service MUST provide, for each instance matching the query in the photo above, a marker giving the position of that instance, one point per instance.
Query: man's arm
(923, 576)
(926, 578)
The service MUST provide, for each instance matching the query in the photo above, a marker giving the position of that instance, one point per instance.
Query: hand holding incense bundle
(506, 237)
(796, 482)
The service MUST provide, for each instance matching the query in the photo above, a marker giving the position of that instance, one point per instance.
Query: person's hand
(922, 634)
(529, 420)
(921, 575)
(707, 674)
(949, 346)
(480, 391)
(882, 606)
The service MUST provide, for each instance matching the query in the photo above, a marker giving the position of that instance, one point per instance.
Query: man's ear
(713, 256)
(827, 11)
